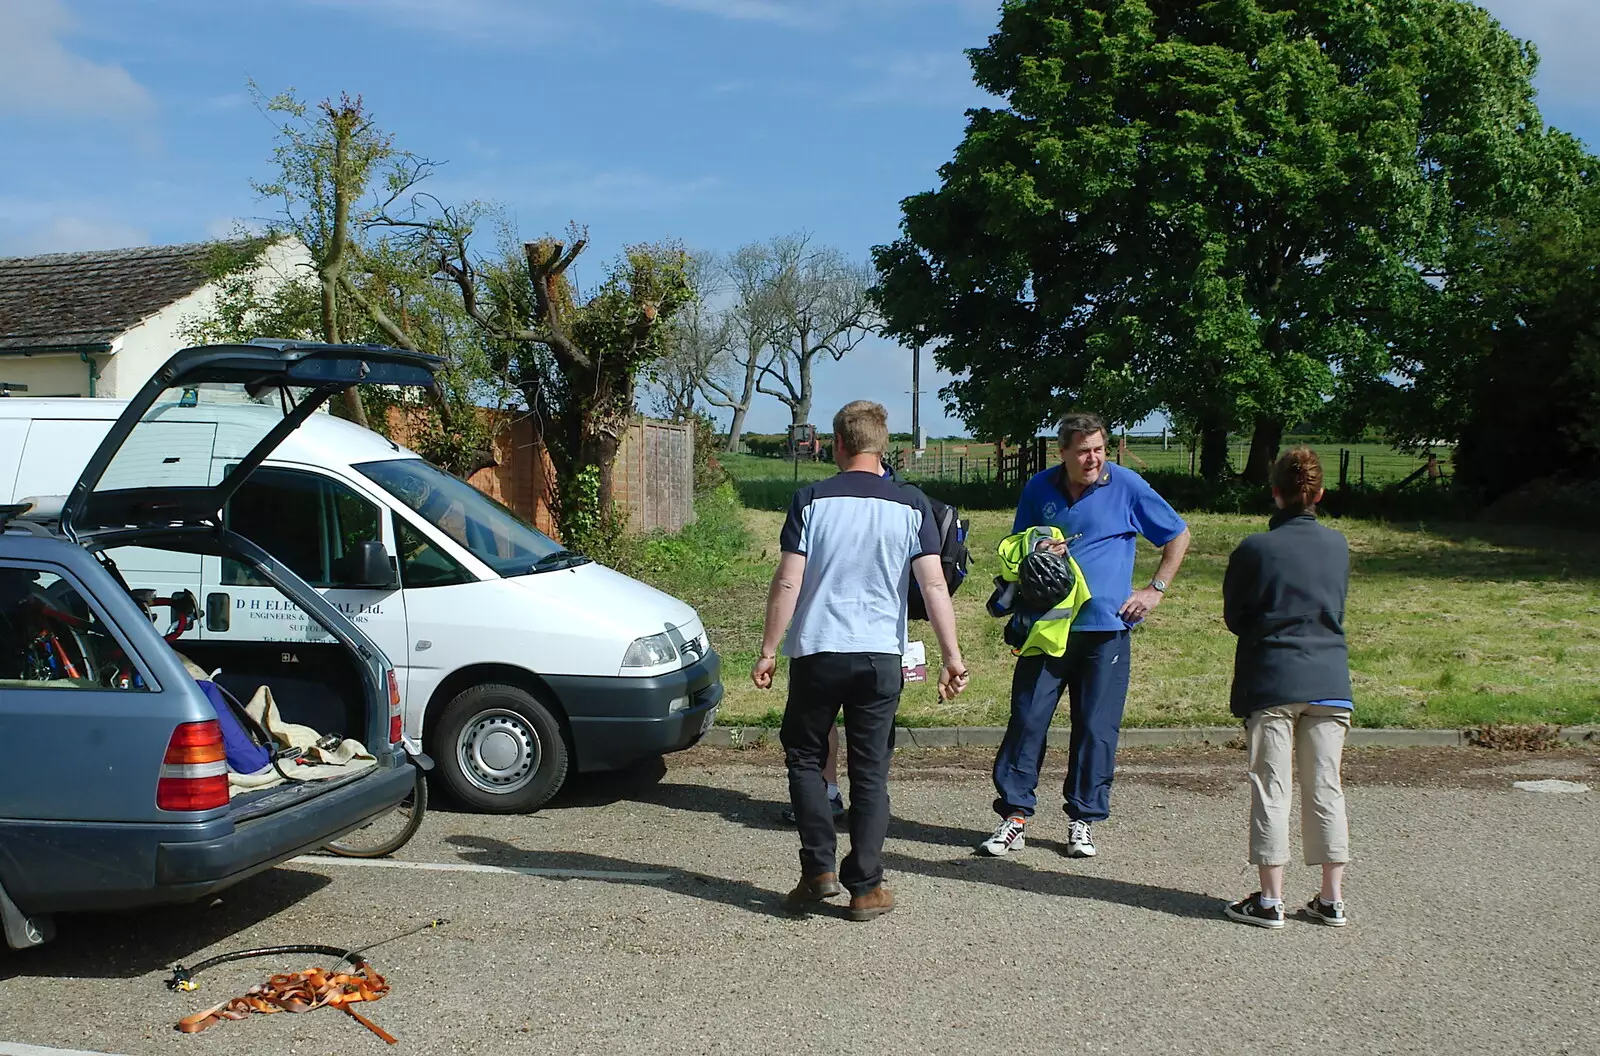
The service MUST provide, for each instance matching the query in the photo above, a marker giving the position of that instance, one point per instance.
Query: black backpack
(953, 555)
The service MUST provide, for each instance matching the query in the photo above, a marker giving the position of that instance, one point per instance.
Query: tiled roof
(75, 301)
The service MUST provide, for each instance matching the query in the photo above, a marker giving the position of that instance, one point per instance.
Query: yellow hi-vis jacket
(1045, 632)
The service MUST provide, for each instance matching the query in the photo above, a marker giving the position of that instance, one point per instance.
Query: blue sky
(718, 122)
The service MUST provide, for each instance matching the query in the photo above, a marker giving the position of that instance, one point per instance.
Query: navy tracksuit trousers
(1094, 675)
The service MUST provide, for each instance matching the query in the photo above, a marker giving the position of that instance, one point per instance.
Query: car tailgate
(274, 828)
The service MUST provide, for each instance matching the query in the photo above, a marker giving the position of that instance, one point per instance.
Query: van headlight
(650, 652)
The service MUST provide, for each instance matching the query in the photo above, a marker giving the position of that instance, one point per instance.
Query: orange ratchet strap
(301, 992)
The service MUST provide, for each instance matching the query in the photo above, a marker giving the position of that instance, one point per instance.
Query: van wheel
(500, 751)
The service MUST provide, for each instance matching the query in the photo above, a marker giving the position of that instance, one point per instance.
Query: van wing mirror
(369, 567)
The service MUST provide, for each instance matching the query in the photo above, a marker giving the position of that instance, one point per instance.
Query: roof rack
(12, 516)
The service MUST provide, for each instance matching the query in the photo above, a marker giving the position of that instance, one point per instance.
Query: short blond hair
(862, 428)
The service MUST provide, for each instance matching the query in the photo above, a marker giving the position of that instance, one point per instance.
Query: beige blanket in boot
(347, 757)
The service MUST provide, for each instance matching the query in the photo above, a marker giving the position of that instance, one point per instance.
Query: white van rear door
(56, 451)
(13, 431)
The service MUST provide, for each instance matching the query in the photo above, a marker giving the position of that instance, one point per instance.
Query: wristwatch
(1158, 585)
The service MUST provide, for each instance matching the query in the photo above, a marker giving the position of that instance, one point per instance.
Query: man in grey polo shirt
(850, 546)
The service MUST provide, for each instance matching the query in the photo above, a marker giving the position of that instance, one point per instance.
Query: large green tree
(1506, 361)
(1229, 209)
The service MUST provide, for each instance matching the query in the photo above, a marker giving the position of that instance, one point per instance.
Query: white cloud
(823, 13)
(937, 78)
(572, 191)
(233, 227)
(511, 22)
(67, 233)
(775, 11)
(1565, 32)
(40, 77)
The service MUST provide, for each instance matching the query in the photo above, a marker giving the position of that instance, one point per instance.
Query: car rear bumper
(619, 721)
(74, 866)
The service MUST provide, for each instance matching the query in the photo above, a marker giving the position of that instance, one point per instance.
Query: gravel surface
(1474, 927)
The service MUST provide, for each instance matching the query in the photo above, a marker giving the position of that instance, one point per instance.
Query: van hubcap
(499, 751)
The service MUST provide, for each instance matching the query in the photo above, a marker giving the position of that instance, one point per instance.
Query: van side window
(424, 565)
(52, 638)
(307, 521)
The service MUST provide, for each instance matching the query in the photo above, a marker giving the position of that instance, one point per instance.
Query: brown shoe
(815, 889)
(874, 903)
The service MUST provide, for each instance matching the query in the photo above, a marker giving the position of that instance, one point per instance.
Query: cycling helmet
(1044, 580)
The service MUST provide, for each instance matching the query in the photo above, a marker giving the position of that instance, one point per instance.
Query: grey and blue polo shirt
(859, 533)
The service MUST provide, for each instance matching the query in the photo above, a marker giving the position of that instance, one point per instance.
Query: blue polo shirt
(1109, 514)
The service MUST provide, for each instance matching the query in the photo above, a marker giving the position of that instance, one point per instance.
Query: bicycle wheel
(386, 833)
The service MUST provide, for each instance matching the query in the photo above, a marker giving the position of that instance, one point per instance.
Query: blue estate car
(114, 790)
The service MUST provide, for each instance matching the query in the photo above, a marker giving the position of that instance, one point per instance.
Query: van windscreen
(493, 534)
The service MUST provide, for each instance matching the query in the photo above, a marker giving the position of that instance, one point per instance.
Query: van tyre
(499, 750)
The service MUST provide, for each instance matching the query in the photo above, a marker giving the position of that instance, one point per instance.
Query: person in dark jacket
(1284, 597)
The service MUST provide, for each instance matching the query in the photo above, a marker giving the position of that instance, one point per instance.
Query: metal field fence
(976, 463)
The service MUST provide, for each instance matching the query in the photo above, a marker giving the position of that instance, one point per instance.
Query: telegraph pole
(916, 398)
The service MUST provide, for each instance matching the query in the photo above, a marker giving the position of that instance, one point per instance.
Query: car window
(307, 521)
(51, 637)
(424, 565)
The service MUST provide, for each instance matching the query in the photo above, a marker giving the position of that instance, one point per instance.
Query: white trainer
(1080, 840)
(1008, 836)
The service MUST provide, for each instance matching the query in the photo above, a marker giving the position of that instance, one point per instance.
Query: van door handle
(219, 611)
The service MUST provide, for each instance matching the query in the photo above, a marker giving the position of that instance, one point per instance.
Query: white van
(518, 660)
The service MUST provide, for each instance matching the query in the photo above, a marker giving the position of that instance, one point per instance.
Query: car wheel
(499, 750)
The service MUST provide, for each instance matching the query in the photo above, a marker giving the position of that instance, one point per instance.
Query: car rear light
(396, 730)
(194, 774)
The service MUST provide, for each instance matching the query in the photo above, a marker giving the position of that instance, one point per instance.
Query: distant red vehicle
(803, 443)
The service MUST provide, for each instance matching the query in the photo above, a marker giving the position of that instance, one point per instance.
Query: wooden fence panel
(653, 483)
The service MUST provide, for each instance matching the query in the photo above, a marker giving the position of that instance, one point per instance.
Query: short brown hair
(862, 428)
(1297, 476)
(1080, 422)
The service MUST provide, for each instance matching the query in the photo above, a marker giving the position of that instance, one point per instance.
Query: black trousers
(867, 686)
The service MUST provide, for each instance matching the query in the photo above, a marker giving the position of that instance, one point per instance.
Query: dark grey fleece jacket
(1284, 596)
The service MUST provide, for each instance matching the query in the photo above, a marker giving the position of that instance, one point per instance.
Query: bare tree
(351, 197)
(749, 276)
(817, 305)
(575, 357)
(697, 344)
(327, 161)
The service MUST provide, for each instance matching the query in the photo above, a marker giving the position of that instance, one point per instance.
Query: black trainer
(1251, 911)
(1329, 913)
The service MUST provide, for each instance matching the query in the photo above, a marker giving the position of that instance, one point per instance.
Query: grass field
(1450, 625)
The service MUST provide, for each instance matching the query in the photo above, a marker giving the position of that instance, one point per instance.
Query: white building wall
(141, 350)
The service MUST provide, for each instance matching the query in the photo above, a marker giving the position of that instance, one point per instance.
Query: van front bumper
(619, 721)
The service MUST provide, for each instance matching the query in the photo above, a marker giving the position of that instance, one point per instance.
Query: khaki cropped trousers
(1309, 740)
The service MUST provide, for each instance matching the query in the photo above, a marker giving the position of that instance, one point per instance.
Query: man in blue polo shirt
(1100, 508)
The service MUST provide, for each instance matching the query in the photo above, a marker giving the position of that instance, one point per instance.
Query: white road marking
(468, 867)
(8, 1048)
(1551, 785)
